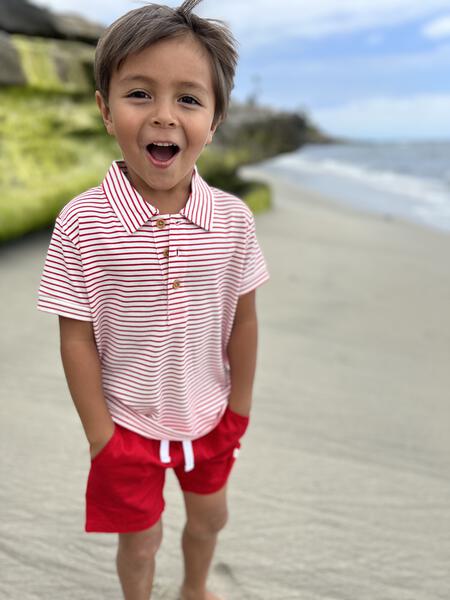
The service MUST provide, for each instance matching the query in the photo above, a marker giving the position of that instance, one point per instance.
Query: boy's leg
(136, 561)
(206, 515)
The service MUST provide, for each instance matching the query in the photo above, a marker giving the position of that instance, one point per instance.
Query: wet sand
(341, 490)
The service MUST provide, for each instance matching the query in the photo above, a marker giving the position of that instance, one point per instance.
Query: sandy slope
(341, 490)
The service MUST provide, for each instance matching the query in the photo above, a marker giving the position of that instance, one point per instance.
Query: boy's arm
(83, 373)
(241, 352)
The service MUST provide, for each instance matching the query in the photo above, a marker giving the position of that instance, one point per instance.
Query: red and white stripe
(162, 346)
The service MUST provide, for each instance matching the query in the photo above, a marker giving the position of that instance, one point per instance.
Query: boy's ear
(105, 112)
(211, 133)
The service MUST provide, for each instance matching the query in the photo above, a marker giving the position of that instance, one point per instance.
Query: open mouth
(162, 153)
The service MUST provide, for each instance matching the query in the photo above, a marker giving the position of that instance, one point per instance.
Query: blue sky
(359, 68)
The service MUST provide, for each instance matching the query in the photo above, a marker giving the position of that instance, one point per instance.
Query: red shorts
(125, 485)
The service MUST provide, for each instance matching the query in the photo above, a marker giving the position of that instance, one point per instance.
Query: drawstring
(164, 451)
(188, 452)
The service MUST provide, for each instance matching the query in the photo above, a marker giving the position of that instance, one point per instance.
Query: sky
(360, 69)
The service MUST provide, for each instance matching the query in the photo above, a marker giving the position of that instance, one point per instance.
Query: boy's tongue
(162, 153)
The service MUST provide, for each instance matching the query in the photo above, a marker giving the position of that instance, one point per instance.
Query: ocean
(407, 180)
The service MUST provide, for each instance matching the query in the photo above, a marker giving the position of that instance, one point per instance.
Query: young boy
(153, 275)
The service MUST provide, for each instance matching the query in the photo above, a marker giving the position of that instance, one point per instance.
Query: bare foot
(211, 596)
(184, 595)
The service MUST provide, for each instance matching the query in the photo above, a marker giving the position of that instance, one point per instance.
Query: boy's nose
(162, 117)
(163, 122)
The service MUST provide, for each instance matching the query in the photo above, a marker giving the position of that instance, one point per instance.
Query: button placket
(161, 230)
(175, 283)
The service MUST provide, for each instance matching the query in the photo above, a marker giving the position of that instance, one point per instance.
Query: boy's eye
(189, 100)
(141, 95)
(137, 94)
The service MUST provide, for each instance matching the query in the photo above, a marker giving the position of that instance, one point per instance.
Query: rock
(55, 65)
(19, 16)
(11, 72)
(42, 50)
(75, 27)
(22, 17)
(264, 132)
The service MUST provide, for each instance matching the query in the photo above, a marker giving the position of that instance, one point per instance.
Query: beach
(341, 490)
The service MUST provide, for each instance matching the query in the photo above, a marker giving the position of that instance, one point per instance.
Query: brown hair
(142, 27)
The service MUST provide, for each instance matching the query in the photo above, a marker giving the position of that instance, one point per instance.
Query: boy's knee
(140, 546)
(207, 525)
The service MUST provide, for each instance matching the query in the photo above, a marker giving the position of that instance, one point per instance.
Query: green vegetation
(55, 65)
(51, 149)
(53, 146)
(220, 166)
(259, 197)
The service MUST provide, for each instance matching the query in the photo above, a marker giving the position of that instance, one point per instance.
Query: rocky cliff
(45, 51)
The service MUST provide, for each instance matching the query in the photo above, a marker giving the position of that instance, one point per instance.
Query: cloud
(438, 28)
(260, 22)
(422, 116)
(263, 21)
(382, 65)
(100, 11)
(322, 82)
(374, 39)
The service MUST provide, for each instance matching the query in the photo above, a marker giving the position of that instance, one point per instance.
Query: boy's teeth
(163, 151)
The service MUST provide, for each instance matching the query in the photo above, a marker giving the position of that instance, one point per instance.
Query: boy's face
(162, 94)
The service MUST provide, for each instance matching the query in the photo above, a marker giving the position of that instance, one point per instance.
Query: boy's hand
(241, 406)
(96, 447)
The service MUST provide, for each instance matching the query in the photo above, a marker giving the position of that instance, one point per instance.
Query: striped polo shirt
(161, 292)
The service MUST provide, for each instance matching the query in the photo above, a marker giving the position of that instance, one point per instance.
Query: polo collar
(133, 211)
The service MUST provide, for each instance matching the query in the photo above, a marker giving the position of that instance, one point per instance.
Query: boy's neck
(169, 202)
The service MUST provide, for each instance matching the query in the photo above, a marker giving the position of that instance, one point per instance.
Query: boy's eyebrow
(186, 84)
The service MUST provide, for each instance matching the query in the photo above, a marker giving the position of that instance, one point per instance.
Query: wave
(414, 186)
(420, 189)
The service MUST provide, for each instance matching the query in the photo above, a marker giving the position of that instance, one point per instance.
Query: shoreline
(320, 199)
(390, 179)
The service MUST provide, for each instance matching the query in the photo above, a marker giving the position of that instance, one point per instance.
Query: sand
(341, 490)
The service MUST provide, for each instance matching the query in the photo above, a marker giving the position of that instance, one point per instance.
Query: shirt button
(176, 284)
(166, 252)
(160, 223)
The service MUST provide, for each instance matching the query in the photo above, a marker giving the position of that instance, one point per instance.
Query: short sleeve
(255, 270)
(62, 288)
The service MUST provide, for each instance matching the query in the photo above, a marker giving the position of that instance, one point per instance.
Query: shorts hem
(125, 527)
(203, 491)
